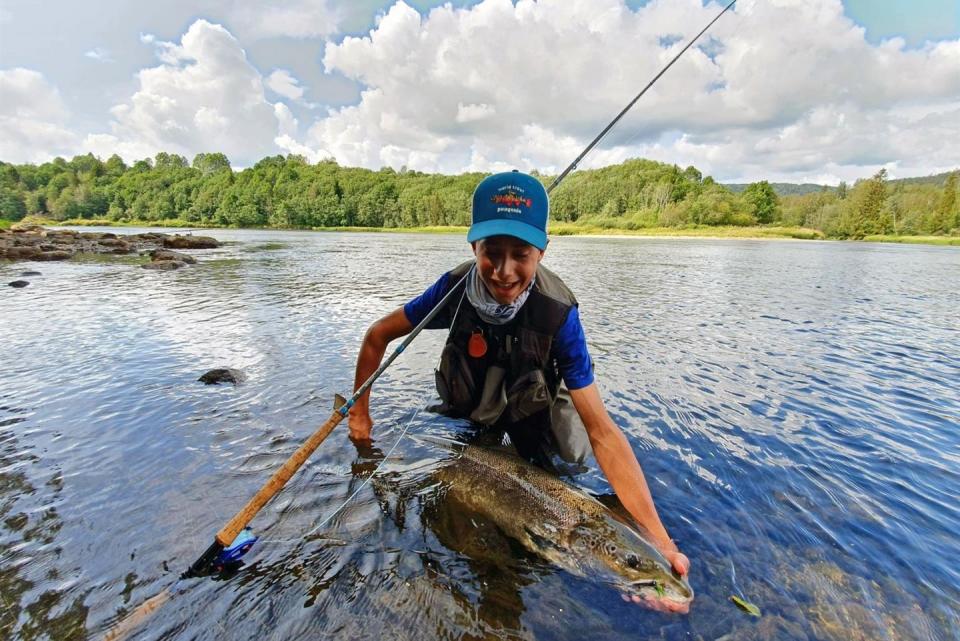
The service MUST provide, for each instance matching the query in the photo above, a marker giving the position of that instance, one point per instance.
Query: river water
(795, 406)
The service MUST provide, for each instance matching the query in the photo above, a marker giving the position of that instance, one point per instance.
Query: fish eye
(637, 563)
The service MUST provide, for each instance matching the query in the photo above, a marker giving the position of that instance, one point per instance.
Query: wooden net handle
(229, 532)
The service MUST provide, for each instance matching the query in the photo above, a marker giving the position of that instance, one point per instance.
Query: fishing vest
(516, 378)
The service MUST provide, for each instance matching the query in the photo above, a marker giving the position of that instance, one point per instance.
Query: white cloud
(206, 96)
(99, 54)
(286, 123)
(33, 118)
(474, 112)
(291, 146)
(290, 18)
(284, 84)
(528, 85)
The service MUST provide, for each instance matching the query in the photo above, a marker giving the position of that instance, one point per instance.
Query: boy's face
(506, 266)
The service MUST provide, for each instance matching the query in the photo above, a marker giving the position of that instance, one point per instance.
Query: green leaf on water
(746, 606)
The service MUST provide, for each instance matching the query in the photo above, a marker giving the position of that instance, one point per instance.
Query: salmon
(560, 523)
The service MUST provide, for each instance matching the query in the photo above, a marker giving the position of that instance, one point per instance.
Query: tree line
(289, 192)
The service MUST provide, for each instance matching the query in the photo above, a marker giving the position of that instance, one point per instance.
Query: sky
(782, 90)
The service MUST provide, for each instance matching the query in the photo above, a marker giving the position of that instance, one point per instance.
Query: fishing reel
(223, 562)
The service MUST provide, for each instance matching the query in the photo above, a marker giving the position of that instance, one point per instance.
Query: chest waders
(514, 385)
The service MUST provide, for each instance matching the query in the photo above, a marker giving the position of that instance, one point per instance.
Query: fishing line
(638, 130)
(630, 104)
(357, 491)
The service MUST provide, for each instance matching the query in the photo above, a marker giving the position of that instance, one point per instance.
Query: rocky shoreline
(33, 242)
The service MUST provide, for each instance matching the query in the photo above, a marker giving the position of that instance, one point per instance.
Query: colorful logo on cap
(511, 199)
(512, 204)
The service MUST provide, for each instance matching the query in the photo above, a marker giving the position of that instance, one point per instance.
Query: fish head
(636, 568)
(654, 584)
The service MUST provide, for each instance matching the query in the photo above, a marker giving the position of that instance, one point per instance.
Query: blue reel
(240, 546)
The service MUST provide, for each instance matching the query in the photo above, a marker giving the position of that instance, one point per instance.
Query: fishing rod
(630, 104)
(235, 538)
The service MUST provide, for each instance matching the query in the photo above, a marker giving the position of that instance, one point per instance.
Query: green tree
(114, 167)
(947, 216)
(163, 160)
(864, 214)
(211, 163)
(762, 202)
(12, 206)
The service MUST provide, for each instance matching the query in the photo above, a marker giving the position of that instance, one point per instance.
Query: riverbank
(28, 242)
(556, 229)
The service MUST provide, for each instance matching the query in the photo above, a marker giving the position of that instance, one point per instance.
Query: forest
(289, 192)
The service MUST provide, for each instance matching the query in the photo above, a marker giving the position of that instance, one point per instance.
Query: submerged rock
(223, 375)
(168, 254)
(190, 242)
(54, 255)
(30, 273)
(32, 242)
(165, 265)
(19, 283)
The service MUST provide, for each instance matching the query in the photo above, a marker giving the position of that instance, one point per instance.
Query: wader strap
(453, 323)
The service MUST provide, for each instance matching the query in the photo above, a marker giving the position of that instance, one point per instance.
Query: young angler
(514, 340)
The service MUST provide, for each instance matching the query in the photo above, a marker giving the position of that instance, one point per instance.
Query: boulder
(223, 375)
(22, 253)
(190, 242)
(26, 227)
(62, 235)
(165, 265)
(114, 247)
(54, 255)
(167, 254)
(19, 283)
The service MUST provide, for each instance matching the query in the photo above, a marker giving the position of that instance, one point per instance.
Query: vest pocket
(455, 383)
(528, 395)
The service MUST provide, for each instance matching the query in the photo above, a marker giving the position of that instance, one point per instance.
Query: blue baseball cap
(510, 204)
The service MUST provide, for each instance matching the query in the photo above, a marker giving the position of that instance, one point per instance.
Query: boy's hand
(679, 561)
(360, 425)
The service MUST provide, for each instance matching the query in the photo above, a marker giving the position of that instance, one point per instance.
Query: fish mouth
(650, 594)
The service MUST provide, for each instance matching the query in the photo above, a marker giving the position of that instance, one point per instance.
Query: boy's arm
(621, 468)
(375, 341)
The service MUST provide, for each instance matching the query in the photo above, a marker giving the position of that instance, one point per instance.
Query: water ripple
(794, 406)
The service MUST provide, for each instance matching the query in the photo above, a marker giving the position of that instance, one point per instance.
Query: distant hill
(794, 189)
(783, 189)
(937, 179)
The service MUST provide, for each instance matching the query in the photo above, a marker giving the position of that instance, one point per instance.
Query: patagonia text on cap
(510, 204)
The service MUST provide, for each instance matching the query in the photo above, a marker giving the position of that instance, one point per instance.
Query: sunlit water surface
(795, 406)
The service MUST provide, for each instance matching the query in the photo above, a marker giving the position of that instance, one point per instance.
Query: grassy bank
(171, 222)
(556, 229)
(438, 229)
(923, 240)
(695, 231)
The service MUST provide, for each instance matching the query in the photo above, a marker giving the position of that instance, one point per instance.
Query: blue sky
(90, 62)
(914, 21)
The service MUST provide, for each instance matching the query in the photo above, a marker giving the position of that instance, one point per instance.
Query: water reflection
(794, 406)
